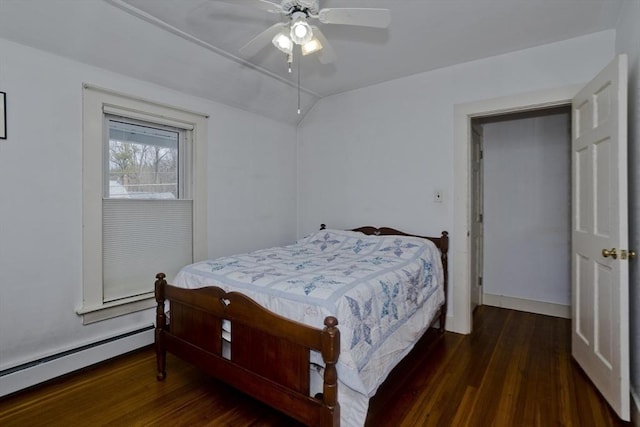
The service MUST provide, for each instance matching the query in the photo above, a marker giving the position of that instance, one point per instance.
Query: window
(142, 160)
(144, 199)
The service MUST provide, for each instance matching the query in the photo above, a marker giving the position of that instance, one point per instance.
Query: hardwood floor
(514, 370)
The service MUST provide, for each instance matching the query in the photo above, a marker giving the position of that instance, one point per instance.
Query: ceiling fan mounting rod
(297, 9)
(309, 8)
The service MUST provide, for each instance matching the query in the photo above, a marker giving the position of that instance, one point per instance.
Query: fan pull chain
(299, 66)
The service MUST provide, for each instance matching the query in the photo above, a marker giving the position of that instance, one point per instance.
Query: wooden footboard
(269, 354)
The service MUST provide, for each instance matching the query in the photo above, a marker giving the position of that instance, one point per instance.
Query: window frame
(97, 103)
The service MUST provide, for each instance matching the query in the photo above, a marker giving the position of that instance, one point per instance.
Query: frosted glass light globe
(301, 31)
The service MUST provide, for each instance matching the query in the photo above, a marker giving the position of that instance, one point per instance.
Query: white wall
(251, 196)
(527, 195)
(628, 41)
(376, 155)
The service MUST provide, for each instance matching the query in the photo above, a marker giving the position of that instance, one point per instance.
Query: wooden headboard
(441, 242)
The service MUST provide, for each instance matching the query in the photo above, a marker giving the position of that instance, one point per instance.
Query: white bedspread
(384, 291)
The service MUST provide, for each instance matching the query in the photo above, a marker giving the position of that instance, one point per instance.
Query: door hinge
(480, 217)
(480, 281)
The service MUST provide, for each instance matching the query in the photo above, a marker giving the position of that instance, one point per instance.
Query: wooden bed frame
(269, 353)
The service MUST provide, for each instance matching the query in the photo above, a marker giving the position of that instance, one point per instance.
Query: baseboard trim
(45, 369)
(520, 304)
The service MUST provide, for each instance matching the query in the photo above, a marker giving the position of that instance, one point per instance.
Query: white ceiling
(205, 35)
(424, 34)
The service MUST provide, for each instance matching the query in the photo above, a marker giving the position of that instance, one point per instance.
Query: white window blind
(141, 238)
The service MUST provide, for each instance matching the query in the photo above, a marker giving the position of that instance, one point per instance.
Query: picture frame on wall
(3, 115)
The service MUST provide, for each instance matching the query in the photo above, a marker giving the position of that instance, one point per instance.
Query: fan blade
(261, 40)
(326, 55)
(260, 4)
(377, 18)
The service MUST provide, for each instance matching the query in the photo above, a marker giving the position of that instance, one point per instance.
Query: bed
(311, 329)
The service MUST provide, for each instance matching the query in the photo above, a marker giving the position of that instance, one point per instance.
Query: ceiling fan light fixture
(300, 30)
(283, 43)
(311, 46)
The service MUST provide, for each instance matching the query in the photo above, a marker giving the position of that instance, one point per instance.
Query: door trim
(460, 306)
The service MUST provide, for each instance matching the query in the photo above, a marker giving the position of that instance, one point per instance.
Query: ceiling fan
(297, 30)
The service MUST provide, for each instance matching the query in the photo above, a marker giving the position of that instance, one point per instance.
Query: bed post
(330, 354)
(161, 324)
(444, 248)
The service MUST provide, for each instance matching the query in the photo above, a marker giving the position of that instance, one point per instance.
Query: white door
(477, 199)
(600, 278)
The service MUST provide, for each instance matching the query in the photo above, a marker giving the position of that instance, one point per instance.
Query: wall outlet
(437, 196)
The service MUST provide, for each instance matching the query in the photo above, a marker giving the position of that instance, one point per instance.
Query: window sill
(109, 310)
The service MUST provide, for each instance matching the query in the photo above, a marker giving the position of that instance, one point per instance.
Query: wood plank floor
(514, 370)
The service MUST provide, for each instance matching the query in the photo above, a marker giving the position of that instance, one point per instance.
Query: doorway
(460, 320)
(521, 192)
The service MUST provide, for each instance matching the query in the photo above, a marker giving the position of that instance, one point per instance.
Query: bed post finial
(445, 241)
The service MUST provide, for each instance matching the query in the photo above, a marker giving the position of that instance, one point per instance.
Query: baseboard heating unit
(44, 369)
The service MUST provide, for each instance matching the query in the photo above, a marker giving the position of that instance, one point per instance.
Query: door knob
(610, 253)
(632, 254)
